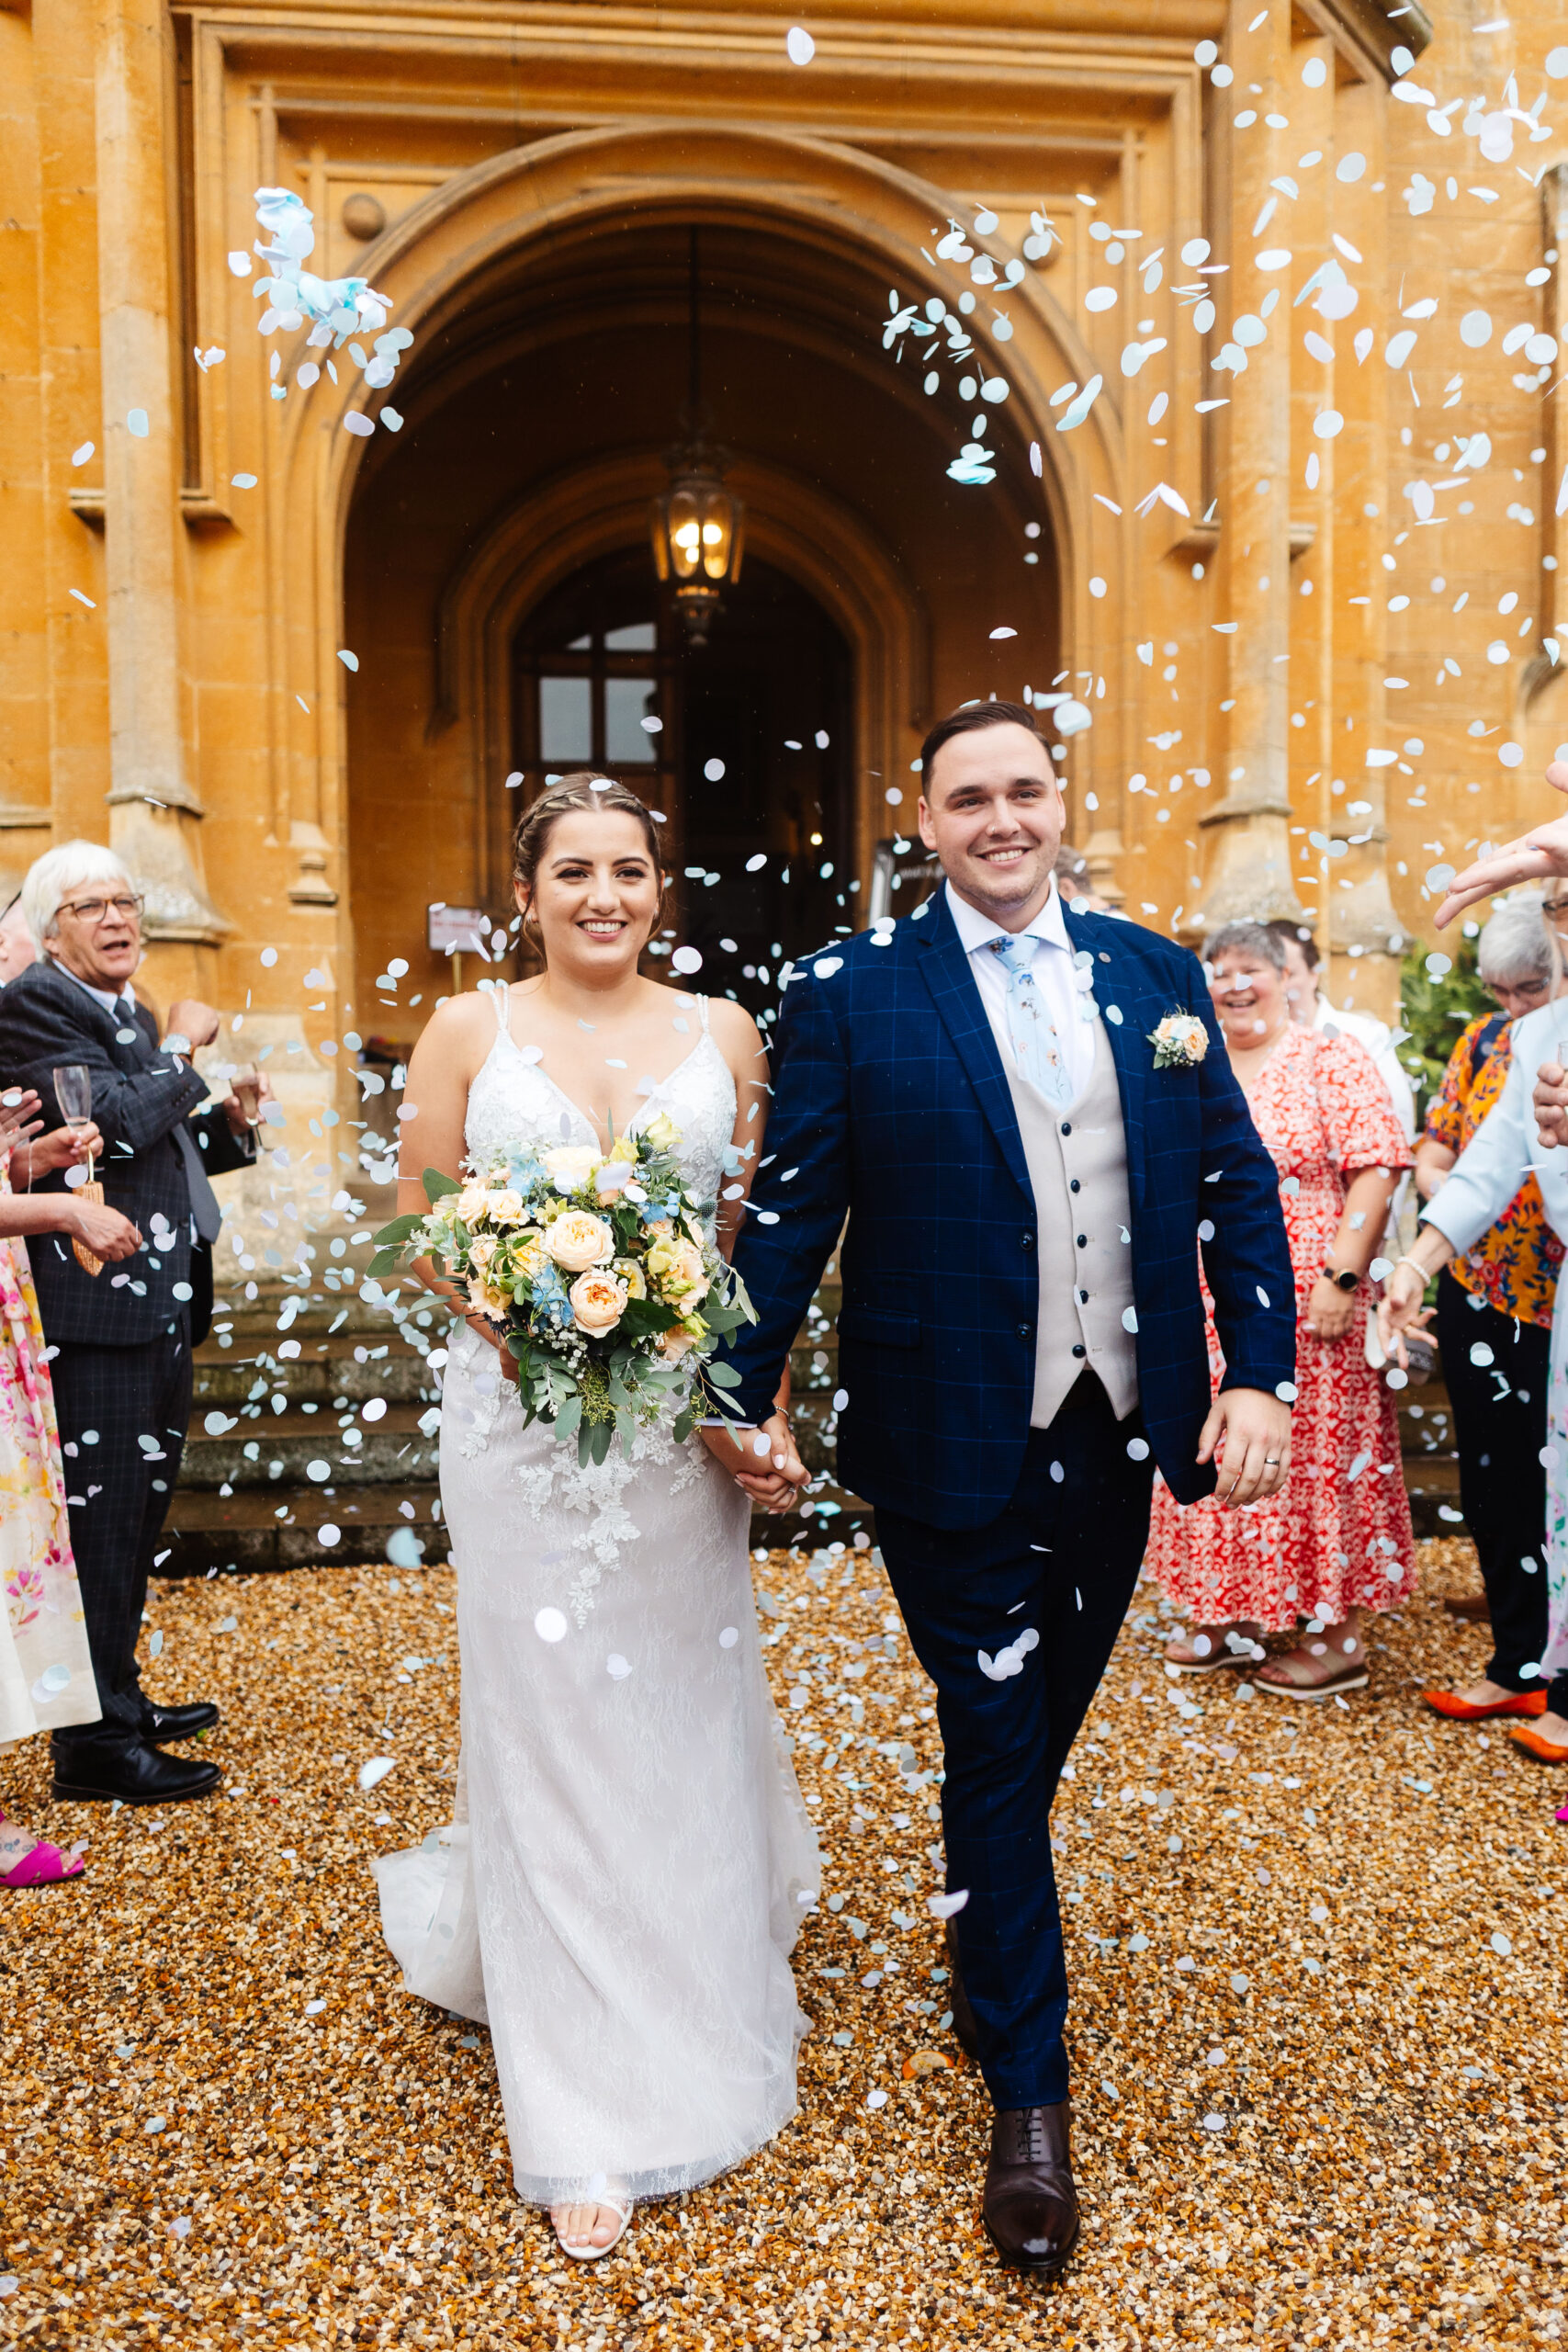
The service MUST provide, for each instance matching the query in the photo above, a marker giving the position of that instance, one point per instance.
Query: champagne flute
(73, 1091)
(245, 1085)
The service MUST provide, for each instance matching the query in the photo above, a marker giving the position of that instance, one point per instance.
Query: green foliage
(1435, 1011)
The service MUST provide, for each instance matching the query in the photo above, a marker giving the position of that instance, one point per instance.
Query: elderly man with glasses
(123, 1337)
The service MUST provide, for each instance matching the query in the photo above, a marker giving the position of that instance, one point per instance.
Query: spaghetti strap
(703, 1013)
(501, 997)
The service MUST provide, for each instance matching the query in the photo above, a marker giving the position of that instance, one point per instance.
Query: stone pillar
(1360, 929)
(1249, 866)
(155, 811)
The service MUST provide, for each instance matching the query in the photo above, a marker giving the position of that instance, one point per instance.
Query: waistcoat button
(1083, 1241)
(1073, 1184)
(1078, 1349)
(1066, 1127)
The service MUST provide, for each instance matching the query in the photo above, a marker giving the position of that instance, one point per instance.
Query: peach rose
(598, 1301)
(578, 1239)
(674, 1343)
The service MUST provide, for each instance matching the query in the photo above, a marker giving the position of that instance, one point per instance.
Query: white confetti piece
(550, 1625)
(729, 1637)
(947, 1906)
(617, 1667)
(372, 1773)
(79, 457)
(686, 959)
(136, 423)
(876, 2098)
(799, 45)
(328, 1535)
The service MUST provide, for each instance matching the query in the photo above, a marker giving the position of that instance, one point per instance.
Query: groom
(1028, 1178)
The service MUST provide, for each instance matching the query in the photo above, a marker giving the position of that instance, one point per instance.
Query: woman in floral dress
(1335, 1540)
(46, 1674)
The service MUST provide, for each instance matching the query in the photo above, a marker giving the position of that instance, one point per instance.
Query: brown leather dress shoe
(966, 2032)
(1030, 2208)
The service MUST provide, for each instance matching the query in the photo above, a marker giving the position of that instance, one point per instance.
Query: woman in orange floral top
(1494, 1325)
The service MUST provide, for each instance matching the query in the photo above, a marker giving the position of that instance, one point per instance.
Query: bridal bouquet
(596, 1268)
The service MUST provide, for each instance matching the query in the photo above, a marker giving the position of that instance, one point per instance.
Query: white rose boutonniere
(1180, 1042)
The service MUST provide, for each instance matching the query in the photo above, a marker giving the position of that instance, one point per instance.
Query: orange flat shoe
(1464, 1711)
(1541, 1749)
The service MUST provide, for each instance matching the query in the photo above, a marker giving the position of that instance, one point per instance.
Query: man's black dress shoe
(1030, 2208)
(161, 1723)
(138, 1774)
(966, 2032)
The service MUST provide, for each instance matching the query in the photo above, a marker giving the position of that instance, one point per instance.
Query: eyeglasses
(125, 909)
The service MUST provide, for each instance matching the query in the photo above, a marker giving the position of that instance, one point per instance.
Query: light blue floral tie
(1036, 1047)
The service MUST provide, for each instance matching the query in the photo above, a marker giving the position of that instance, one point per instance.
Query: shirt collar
(101, 996)
(977, 931)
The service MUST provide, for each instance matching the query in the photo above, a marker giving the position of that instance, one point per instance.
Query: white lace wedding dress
(630, 1859)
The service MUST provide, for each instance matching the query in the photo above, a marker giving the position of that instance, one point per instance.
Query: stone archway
(838, 207)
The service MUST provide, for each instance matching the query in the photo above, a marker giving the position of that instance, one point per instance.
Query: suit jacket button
(1078, 1348)
(1066, 1127)
(1073, 1184)
(1026, 1240)
(1083, 1241)
(1026, 1330)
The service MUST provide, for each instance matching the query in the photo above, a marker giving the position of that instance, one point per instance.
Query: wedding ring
(1270, 1462)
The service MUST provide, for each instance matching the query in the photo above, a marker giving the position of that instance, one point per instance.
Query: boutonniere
(1180, 1042)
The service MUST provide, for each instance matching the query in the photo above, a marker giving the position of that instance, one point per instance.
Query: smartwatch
(1342, 1278)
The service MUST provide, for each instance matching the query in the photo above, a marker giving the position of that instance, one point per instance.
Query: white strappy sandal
(583, 2249)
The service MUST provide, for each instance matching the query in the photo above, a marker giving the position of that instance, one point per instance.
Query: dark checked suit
(891, 1105)
(123, 1374)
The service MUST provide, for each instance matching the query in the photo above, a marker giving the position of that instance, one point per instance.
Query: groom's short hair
(965, 721)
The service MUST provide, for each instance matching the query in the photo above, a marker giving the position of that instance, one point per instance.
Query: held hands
(1400, 1310)
(772, 1476)
(1248, 1434)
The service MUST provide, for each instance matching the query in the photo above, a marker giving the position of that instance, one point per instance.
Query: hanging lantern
(697, 525)
(698, 535)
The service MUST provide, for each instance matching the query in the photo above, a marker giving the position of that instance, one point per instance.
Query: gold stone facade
(523, 182)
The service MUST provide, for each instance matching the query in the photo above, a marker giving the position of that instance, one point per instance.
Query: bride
(620, 1890)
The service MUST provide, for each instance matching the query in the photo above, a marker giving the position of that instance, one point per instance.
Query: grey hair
(1250, 938)
(1514, 949)
(52, 877)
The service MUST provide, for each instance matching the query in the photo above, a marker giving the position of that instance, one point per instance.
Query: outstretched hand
(1534, 855)
(1250, 1432)
(763, 1461)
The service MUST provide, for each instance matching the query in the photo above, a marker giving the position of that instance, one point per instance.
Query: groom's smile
(992, 812)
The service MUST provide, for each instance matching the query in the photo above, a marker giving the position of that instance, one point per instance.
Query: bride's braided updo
(585, 788)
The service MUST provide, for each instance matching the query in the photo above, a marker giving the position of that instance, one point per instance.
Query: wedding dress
(621, 1888)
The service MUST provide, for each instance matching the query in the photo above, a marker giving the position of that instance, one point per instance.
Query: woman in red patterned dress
(1336, 1540)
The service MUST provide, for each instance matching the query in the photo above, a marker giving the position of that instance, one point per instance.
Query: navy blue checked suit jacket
(890, 1106)
(139, 1094)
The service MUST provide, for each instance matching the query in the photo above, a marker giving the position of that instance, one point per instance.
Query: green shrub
(1434, 1010)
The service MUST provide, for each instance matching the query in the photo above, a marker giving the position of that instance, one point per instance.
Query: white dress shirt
(124, 1004)
(1055, 975)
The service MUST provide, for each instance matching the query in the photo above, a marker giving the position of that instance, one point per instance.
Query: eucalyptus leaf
(437, 1186)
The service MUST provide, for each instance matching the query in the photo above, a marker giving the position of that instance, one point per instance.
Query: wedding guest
(1335, 1540)
(1075, 886)
(46, 1672)
(1493, 1324)
(1304, 966)
(122, 1370)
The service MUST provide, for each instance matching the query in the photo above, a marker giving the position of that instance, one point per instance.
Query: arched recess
(568, 521)
(442, 254)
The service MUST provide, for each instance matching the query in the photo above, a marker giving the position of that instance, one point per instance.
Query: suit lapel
(945, 968)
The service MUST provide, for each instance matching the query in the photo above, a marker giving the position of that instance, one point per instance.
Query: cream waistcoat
(1077, 1172)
